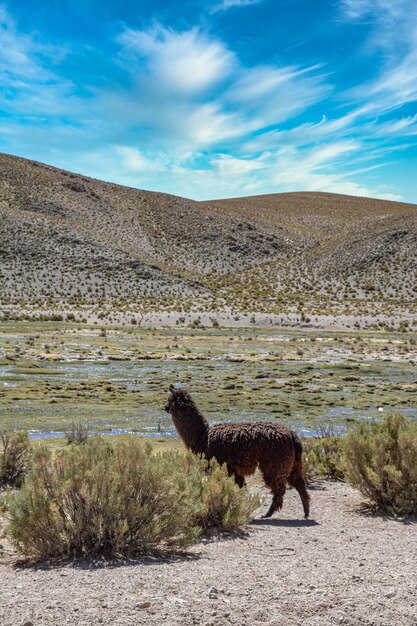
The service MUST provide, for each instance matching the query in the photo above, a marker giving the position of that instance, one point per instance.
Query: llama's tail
(298, 446)
(296, 478)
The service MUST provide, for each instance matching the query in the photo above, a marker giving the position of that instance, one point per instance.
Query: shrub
(99, 498)
(78, 434)
(119, 500)
(14, 459)
(381, 461)
(323, 458)
(223, 505)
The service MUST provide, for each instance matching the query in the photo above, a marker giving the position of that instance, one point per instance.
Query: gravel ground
(342, 567)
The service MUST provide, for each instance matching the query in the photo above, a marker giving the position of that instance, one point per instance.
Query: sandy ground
(341, 567)
(227, 319)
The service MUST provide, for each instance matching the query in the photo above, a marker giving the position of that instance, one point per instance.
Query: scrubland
(83, 249)
(292, 307)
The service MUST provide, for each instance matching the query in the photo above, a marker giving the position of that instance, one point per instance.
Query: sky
(215, 98)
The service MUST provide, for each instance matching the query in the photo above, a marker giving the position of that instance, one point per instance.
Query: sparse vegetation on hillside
(68, 241)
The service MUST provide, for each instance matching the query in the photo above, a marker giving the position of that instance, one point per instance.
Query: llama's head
(170, 400)
(191, 425)
(177, 399)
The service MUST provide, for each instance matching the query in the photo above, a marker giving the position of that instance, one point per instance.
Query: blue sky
(216, 99)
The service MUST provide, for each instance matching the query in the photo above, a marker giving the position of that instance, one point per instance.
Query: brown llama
(274, 448)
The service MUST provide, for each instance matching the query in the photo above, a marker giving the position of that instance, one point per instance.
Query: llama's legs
(277, 499)
(240, 480)
(296, 480)
(277, 485)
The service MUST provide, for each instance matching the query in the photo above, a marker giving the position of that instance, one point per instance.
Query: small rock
(213, 591)
(391, 593)
(28, 624)
(143, 605)
(176, 601)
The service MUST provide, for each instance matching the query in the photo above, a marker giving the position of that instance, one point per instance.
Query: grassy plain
(114, 379)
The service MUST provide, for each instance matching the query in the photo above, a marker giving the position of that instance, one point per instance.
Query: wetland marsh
(114, 379)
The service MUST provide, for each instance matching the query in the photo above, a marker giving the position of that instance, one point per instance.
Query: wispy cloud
(324, 168)
(393, 29)
(225, 5)
(187, 62)
(276, 94)
(183, 111)
(30, 84)
(397, 85)
(192, 89)
(382, 10)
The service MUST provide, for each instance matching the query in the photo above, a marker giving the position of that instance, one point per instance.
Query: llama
(274, 448)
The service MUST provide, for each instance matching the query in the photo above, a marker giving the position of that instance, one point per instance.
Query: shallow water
(52, 376)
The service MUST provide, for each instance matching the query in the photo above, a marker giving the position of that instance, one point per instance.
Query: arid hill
(68, 238)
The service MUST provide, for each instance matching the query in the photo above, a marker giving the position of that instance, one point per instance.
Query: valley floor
(342, 567)
(372, 317)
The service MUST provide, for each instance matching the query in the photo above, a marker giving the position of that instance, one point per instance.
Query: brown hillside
(67, 237)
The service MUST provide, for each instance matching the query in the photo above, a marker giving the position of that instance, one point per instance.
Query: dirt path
(343, 567)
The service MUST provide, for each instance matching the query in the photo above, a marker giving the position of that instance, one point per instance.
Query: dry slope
(66, 237)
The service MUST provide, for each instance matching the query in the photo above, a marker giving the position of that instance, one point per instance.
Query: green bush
(14, 459)
(98, 498)
(381, 461)
(119, 500)
(222, 504)
(323, 458)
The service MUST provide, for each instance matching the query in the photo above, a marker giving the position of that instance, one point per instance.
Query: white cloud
(315, 171)
(391, 23)
(397, 85)
(225, 5)
(187, 62)
(188, 88)
(137, 162)
(393, 28)
(404, 127)
(288, 169)
(329, 152)
(273, 95)
(228, 166)
(308, 134)
(208, 124)
(383, 9)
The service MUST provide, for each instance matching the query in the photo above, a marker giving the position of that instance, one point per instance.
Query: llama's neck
(192, 427)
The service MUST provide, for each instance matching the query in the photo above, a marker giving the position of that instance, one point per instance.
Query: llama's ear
(171, 388)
